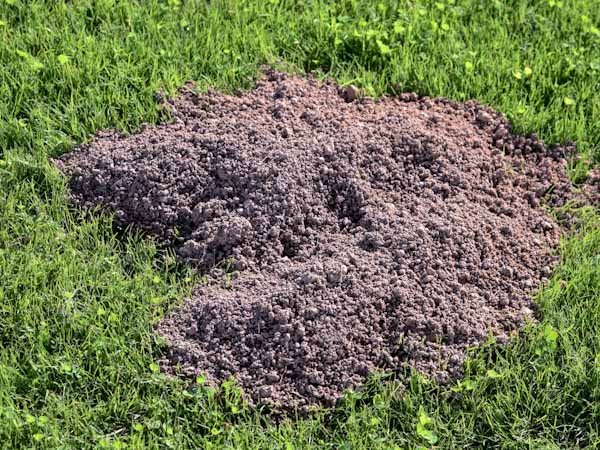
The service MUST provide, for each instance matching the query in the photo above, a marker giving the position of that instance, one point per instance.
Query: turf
(78, 298)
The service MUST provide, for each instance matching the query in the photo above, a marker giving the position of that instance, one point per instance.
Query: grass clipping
(364, 235)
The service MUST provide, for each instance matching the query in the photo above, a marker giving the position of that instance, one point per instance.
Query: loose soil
(357, 235)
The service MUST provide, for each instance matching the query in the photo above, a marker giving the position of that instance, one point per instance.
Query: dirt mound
(366, 234)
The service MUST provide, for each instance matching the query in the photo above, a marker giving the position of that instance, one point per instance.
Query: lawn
(78, 298)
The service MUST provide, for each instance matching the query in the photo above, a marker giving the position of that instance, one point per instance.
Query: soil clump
(364, 234)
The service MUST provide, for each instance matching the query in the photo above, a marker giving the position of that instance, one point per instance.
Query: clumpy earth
(358, 235)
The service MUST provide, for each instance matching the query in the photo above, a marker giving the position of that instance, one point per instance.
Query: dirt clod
(365, 234)
(350, 93)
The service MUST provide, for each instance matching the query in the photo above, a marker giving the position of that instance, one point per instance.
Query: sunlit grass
(78, 302)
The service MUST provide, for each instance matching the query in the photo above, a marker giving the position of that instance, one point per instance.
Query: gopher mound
(360, 234)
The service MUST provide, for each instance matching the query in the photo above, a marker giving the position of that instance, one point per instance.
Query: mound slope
(364, 234)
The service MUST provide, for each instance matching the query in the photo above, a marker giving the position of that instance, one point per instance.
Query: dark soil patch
(366, 234)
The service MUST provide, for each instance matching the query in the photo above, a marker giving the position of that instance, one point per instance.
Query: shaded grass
(77, 354)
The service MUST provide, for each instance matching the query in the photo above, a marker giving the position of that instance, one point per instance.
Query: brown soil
(366, 234)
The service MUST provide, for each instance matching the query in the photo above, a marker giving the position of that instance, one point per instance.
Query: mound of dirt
(364, 234)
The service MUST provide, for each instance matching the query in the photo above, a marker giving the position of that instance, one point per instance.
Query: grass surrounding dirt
(77, 302)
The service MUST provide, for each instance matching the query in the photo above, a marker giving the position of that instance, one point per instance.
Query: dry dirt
(364, 234)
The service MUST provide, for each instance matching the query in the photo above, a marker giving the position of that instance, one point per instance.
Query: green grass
(77, 302)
